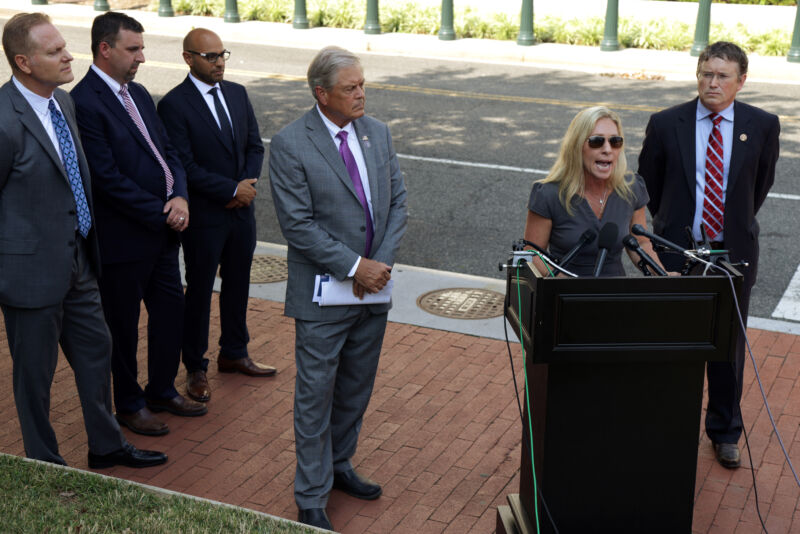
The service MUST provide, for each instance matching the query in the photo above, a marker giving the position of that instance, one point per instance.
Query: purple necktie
(355, 176)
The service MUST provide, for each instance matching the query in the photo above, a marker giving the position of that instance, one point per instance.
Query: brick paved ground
(441, 434)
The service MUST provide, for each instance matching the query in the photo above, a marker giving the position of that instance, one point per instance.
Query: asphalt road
(464, 217)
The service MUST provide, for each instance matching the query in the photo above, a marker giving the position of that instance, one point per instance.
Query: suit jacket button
(71, 243)
(363, 228)
(72, 212)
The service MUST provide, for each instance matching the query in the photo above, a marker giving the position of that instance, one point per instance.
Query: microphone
(637, 229)
(608, 238)
(587, 237)
(631, 243)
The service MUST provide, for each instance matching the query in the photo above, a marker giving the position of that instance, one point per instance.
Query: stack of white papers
(328, 291)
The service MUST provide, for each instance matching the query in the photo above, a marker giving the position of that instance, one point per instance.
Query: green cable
(528, 399)
(541, 258)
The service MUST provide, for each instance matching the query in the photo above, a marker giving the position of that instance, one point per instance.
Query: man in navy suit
(141, 205)
(213, 127)
(711, 161)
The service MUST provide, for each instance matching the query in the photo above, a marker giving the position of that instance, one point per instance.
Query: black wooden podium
(615, 370)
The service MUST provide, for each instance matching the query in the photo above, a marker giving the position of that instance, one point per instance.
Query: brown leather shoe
(143, 422)
(245, 366)
(178, 405)
(197, 386)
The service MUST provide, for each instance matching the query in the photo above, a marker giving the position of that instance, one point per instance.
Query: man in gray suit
(341, 204)
(48, 250)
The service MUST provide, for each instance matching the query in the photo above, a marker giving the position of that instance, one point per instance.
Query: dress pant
(77, 324)
(336, 365)
(230, 247)
(123, 286)
(725, 382)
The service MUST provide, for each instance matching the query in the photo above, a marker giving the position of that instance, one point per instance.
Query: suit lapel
(369, 158)
(741, 122)
(110, 100)
(686, 126)
(320, 137)
(32, 123)
(198, 102)
(76, 139)
(239, 133)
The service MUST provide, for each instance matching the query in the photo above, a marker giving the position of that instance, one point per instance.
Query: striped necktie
(713, 205)
(137, 120)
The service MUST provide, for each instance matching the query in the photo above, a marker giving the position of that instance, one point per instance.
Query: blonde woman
(588, 187)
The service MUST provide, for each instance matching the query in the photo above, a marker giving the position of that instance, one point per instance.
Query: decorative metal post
(165, 8)
(232, 11)
(300, 19)
(373, 23)
(701, 30)
(610, 43)
(526, 37)
(794, 51)
(100, 5)
(446, 31)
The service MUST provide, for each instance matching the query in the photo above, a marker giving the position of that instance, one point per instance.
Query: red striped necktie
(713, 206)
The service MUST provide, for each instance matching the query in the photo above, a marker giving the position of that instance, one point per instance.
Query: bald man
(212, 125)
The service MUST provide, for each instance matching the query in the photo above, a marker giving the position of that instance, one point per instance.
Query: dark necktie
(355, 176)
(713, 206)
(137, 120)
(72, 167)
(224, 123)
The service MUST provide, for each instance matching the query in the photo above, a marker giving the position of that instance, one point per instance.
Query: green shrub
(406, 16)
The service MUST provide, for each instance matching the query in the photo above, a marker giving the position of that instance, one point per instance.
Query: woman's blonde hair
(568, 170)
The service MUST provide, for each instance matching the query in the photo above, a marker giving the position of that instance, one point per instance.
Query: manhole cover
(267, 269)
(462, 303)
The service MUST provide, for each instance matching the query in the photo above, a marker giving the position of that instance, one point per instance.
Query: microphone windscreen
(588, 236)
(637, 229)
(608, 236)
(630, 242)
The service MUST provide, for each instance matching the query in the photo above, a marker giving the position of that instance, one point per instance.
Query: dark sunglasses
(597, 141)
(212, 57)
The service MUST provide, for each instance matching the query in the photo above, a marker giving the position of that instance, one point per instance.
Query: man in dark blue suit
(213, 127)
(141, 206)
(711, 162)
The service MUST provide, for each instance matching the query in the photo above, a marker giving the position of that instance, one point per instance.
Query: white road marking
(527, 170)
(789, 305)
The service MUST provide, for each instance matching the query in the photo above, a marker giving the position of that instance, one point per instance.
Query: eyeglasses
(212, 57)
(597, 141)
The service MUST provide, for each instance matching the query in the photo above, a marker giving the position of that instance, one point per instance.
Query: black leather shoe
(316, 517)
(727, 455)
(128, 455)
(355, 485)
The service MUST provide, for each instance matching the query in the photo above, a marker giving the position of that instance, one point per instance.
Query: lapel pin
(366, 141)
(743, 137)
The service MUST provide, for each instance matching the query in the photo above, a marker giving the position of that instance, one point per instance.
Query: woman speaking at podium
(588, 193)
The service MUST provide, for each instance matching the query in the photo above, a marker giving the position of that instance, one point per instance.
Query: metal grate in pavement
(267, 269)
(462, 303)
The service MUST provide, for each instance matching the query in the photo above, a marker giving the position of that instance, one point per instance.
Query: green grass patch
(39, 498)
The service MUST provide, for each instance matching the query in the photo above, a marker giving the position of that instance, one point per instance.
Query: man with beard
(212, 125)
(141, 203)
